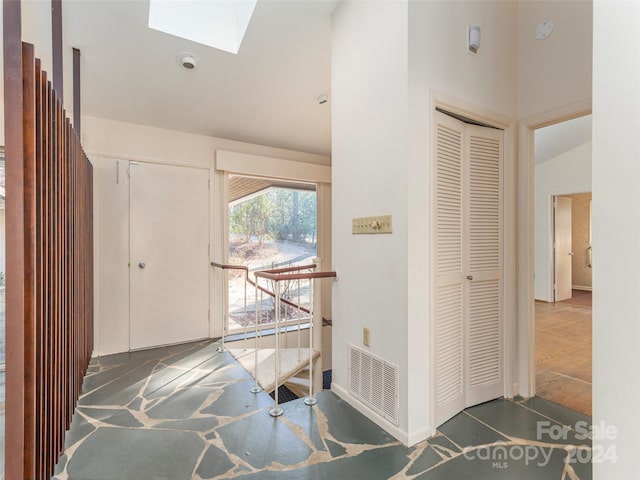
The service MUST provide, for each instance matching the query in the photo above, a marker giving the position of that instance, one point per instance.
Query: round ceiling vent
(544, 29)
(188, 60)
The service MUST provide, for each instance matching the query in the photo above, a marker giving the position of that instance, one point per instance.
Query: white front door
(169, 257)
(563, 248)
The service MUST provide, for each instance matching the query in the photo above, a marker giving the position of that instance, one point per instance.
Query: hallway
(186, 412)
(563, 354)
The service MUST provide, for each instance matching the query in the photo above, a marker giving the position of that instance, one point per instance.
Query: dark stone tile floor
(186, 412)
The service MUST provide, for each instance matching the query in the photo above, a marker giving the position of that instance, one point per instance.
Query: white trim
(551, 228)
(470, 111)
(582, 287)
(143, 159)
(398, 433)
(525, 314)
(557, 115)
(258, 165)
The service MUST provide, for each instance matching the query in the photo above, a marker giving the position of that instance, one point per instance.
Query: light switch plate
(372, 225)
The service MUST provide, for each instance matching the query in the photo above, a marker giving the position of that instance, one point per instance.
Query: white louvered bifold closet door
(468, 263)
(449, 332)
(484, 264)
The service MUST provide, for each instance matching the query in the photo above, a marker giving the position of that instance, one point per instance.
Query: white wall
(616, 234)
(554, 83)
(106, 141)
(381, 164)
(369, 156)
(439, 63)
(36, 29)
(565, 174)
(556, 71)
(140, 142)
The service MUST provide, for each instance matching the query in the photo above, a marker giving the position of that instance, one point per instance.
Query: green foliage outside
(278, 214)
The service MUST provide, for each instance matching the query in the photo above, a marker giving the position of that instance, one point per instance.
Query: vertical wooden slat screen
(58, 276)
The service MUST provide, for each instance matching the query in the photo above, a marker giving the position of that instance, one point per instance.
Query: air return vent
(374, 382)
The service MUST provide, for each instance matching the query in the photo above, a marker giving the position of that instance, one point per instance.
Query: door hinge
(209, 184)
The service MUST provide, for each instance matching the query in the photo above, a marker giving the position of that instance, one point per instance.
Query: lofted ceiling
(557, 139)
(267, 94)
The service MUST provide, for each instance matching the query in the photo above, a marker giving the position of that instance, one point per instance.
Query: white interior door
(169, 254)
(468, 266)
(563, 248)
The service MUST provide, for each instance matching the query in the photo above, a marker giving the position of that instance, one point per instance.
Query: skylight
(219, 24)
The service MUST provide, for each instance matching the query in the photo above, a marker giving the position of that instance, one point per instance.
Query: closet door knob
(469, 277)
(142, 264)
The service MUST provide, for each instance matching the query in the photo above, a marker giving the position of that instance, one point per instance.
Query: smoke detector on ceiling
(188, 60)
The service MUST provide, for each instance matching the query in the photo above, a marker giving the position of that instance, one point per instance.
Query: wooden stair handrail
(270, 275)
(278, 274)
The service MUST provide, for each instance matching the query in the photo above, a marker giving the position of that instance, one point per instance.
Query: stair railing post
(225, 307)
(298, 317)
(315, 334)
(246, 280)
(276, 411)
(256, 387)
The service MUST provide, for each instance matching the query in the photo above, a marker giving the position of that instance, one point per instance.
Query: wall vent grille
(374, 382)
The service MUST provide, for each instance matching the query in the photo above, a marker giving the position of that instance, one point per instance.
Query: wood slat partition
(58, 278)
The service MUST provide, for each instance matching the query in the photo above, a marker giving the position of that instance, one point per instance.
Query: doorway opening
(272, 224)
(563, 273)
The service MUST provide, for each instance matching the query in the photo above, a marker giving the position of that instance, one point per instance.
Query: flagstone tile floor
(186, 412)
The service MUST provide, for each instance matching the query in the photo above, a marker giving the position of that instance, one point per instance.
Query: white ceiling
(266, 94)
(557, 139)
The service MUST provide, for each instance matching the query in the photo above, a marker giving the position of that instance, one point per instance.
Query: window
(272, 224)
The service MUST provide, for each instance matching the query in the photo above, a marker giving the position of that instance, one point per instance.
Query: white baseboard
(582, 287)
(398, 433)
(420, 435)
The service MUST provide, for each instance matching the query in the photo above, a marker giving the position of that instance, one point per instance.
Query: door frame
(482, 115)
(229, 162)
(554, 255)
(525, 233)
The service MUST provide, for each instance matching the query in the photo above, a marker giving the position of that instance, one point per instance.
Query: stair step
(302, 374)
(297, 390)
(301, 382)
(298, 386)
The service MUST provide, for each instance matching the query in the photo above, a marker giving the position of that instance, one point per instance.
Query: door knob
(142, 264)
(571, 254)
(469, 277)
